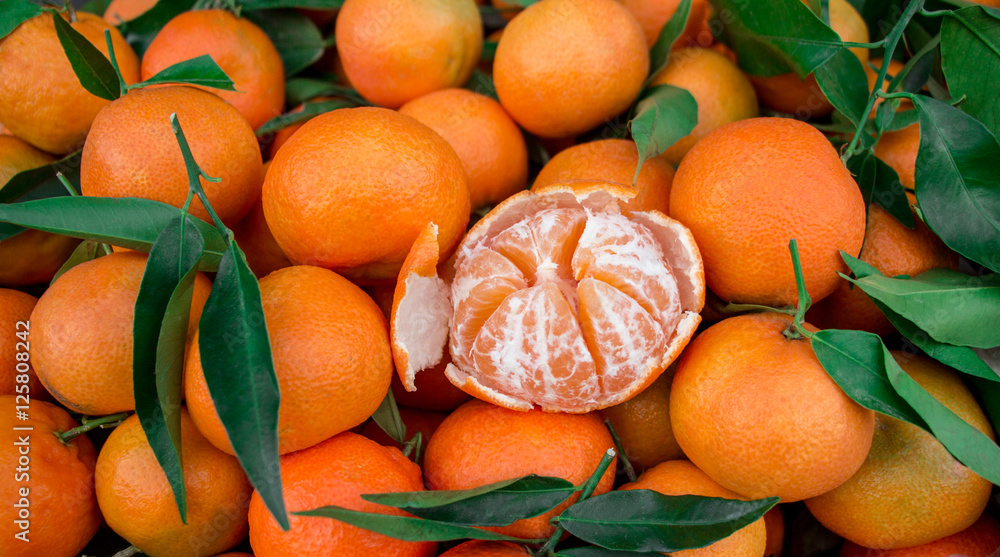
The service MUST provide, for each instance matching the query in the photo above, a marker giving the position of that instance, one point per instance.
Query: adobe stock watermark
(22, 435)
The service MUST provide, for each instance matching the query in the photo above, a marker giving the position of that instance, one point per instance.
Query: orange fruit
(652, 15)
(336, 472)
(480, 444)
(561, 299)
(41, 99)
(395, 51)
(612, 160)
(415, 421)
(910, 490)
(50, 487)
(982, 539)
(803, 98)
(263, 253)
(15, 313)
(898, 149)
(352, 189)
(894, 250)
(722, 91)
(119, 11)
(643, 424)
(487, 141)
(680, 477)
(132, 151)
(774, 522)
(239, 47)
(477, 548)
(331, 355)
(138, 503)
(81, 332)
(751, 186)
(32, 256)
(757, 413)
(282, 135)
(564, 66)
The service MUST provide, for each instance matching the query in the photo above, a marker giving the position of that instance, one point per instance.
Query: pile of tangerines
(529, 291)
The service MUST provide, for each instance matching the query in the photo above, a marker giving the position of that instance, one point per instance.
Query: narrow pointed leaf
(843, 81)
(23, 186)
(159, 343)
(970, 59)
(659, 53)
(239, 370)
(309, 110)
(644, 520)
(127, 222)
(956, 181)
(664, 117)
(407, 528)
(91, 67)
(988, 394)
(16, 12)
(387, 417)
(202, 71)
(498, 504)
(86, 251)
(298, 40)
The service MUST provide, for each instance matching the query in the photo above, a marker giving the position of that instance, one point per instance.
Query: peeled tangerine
(561, 299)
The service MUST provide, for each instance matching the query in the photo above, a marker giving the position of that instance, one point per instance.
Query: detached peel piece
(562, 299)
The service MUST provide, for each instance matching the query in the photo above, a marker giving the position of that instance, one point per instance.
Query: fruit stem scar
(88, 424)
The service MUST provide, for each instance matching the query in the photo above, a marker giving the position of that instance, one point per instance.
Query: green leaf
(309, 110)
(804, 299)
(967, 444)
(296, 37)
(988, 394)
(482, 83)
(489, 51)
(664, 117)
(970, 59)
(97, 7)
(301, 89)
(91, 67)
(30, 181)
(201, 71)
(772, 37)
(140, 31)
(950, 306)
(407, 528)
(856, 362)
(127, 222)
(239, 370)
(16, 12)
(387, 417)
(956, 181)
(498, 504)
(644, 520)
(659, 53)
(159, 333)
(88, 250)
(880, 183)
(601, 552)
(844, 83)
(249, 5)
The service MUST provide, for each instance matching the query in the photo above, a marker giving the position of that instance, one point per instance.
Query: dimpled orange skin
(898, 149)
(480, 443)
(910, 490)
(395, 51)
(982, 539)
(132, 151)
(138, 503)
(238, 46)
(61, 502)
(488, 142)
(564, 66)
(612, 160)
(680, 477)
(32, 256)
(330, 345)
(15, 312)
(352, 189)
(336, 472)
(41, 99)
(126, 10)
(751, 186)
(758, 414)
(81, 332)
(722, 91)
(894, 250)
(478, 548)
(643, 424)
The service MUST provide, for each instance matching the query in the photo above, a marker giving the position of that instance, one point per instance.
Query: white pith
(422, 321)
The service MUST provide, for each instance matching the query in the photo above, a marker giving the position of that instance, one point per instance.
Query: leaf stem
(413, 446)
(587, 490)
(195, 172)
(122, 88)
(90, 423)
(629, 470)
(934, 13)
(71, 10)
(734, 309)
(851, 44)
(66, 184)
(891, 40)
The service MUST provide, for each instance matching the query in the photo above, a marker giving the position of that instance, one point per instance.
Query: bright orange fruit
(982, 539)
